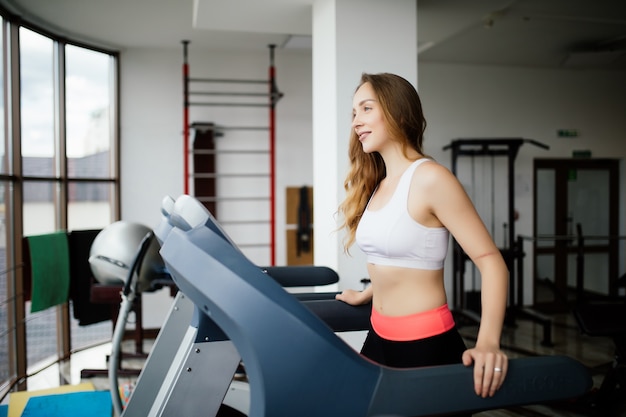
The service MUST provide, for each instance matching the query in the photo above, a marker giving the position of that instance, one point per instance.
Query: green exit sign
(567, 133)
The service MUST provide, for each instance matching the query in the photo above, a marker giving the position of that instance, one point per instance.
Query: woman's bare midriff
(403, 291)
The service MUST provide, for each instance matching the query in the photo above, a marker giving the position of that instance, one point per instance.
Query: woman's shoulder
(432, 172)
(433, 182)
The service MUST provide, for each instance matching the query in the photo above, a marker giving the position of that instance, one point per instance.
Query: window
(37, 105)
(39, 159)
(66, 172)
(89, 140)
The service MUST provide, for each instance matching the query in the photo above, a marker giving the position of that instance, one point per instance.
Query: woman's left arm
(451, 205)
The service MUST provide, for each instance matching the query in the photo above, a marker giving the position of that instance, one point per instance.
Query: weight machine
(508, 148)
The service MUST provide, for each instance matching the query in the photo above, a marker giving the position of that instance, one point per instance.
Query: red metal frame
(185, 118)
(274, 96)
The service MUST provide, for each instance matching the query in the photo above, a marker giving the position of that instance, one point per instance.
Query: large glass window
(40, 210)
(37, 104)
(87, 83)
(64, 179)
(89, 140)
(89, 205)
(89, 145)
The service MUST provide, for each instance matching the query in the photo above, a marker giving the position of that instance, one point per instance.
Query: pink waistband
(414, 326)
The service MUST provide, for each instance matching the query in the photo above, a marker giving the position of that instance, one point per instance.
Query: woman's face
(367, 119)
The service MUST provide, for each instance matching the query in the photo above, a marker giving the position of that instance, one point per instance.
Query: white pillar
(349, 37)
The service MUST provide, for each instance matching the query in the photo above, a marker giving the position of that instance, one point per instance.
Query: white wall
(152, 130)
(151, 150)
(459, 101)
(152, 127)
(342, 51)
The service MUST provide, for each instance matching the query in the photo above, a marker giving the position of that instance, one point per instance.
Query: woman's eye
(367, 108)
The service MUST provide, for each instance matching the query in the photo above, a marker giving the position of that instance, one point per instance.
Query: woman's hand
(490, 368)
(353, 297)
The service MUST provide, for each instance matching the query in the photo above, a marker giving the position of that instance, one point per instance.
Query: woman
(400, 208)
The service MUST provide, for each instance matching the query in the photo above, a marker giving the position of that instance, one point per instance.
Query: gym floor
(520, 340)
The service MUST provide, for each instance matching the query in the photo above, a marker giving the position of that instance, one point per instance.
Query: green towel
(50, 269)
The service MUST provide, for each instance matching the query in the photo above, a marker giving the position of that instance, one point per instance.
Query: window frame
(14, 181)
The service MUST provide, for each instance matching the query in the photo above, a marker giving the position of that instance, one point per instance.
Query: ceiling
(524, 33)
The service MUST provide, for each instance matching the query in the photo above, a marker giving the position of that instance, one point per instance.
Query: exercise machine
(293, 360)
(509, 149)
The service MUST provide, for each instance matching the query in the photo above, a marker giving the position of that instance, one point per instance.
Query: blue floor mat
(74, 404)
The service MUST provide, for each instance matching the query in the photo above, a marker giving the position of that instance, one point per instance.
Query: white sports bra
(390, 236)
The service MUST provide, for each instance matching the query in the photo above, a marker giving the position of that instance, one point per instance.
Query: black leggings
(443, 349)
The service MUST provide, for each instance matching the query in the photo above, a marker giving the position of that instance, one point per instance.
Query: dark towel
(82, 279)
(50, 268)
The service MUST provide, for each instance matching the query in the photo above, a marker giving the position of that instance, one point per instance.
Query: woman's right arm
(354, 297)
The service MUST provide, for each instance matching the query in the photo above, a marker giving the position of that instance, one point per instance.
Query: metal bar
(216, 175)
(229, 104)
(253, 245)
(211, 126)
(510, 260)
(479, 152)
(18, 364)
(493, 142)
(569, 237)
(272, 91)
(185, 117)
(242, 222)
(580, 263)
(218, 199)
(226, 80)
(227, 94)
(608, 237)
(228, 152)
(520, 271)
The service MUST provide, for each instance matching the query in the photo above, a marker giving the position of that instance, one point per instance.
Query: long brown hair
(403, 115)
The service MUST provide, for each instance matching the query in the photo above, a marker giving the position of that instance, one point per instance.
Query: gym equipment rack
(509, 148)
(205, 154)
